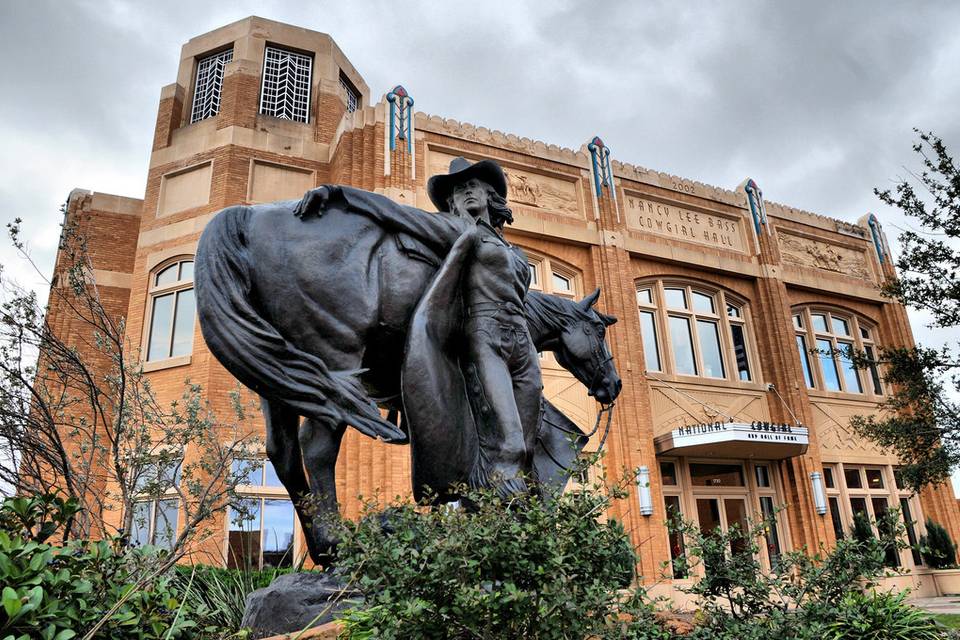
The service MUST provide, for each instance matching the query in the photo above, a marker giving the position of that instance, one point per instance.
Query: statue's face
(470, 197)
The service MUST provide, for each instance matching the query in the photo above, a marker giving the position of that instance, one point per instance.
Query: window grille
(206, 94)
(286, 85)
(353, 96)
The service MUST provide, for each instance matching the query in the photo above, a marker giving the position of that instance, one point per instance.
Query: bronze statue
(357, 302)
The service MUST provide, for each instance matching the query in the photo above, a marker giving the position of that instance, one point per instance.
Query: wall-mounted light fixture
(643, 490)
(819, 496)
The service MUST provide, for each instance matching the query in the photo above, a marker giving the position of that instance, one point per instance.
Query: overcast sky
(815, 101)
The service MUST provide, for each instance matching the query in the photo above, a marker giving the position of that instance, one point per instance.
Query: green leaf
(11, 602)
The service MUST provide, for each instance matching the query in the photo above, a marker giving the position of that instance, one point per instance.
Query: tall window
(286, 85)
(871, 491)
(157, 509)
(353, 96)
(826, 341)
(172, 311)
(261, 524)
(691, 331)
(206, 93)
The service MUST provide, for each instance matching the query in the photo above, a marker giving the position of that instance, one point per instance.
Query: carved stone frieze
(806, 252)
(541, 192)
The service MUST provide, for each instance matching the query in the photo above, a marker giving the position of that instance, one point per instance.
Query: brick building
(721, 295)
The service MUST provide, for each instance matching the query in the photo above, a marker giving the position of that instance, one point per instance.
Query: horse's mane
(547, 313)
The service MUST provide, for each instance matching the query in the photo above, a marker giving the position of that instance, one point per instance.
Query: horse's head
(580, 348)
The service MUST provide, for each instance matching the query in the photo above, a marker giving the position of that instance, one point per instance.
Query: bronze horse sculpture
(312, 314)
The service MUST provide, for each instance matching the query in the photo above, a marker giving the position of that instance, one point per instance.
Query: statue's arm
(439, 231)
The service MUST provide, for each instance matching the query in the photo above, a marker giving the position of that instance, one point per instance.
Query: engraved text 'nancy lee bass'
(682, 224)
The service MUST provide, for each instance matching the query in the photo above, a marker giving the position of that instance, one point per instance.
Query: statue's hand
(315, 201)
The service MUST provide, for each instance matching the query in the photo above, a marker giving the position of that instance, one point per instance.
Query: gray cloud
(814, 100)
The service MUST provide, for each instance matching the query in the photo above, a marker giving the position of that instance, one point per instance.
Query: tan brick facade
(650, 229)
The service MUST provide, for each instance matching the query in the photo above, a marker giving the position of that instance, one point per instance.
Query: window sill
(858, 398)
(166, 363)
(697, 381)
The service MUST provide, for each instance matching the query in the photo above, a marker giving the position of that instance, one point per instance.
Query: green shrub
(937, 548)
(881, 616)
(60, 592)
(523, 568)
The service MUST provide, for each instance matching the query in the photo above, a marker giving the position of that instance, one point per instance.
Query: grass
(951, 620)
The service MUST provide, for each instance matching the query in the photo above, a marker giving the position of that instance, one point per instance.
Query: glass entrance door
(719, 513)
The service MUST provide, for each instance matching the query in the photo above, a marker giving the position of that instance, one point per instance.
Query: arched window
(826, 341)
(172, 311)
(690, 330)
(548, 276)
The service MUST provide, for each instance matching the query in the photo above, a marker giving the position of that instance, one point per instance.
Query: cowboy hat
(441, 186)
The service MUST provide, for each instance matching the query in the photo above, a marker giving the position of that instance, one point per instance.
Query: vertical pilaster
(781, 368)
(169, 115)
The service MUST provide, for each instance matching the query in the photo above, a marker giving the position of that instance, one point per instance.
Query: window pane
(835, 518)
(831, 377)
(885, 527)
(183, 324)
(140, 527)
(682, 346)
(740, 351)
(819, 322)
(249, 472)
(828, 478)
(898, 479)
(676, 298)
(851, 377)
(161, 321)
(186, 270)
(167, 276)
(165, 527)
(798, 321)
(710, 345)
(651, 350)
(763, 475)
(865, 333)
(243, 538)
(206, 95)
(840, 326)
(852, 478)
(911, 528)
(285, 90)
(672, 504)
(773, 535)
(668, 473)
(805, 361)
(561, 284)
(534, 276)
(270, 478)
(703, 302)
(874, 478)
(716, 475)
(733, 312)
(644, 296)
(874, 373)
(277, 533)
(736, 512)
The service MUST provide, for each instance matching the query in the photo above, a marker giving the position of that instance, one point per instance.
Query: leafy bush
(881, 616)
(517, 568)
(58, 593)
(937, 547)
(798, 599)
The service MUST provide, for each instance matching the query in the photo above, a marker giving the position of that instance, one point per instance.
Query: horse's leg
(283, 449)
(320, 444)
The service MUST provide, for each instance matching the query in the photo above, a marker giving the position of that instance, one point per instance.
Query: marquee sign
(766, 440)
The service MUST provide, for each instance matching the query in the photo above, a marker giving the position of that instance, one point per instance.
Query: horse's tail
(254, 351)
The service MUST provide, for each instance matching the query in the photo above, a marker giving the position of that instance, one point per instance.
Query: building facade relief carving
(806, 252)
